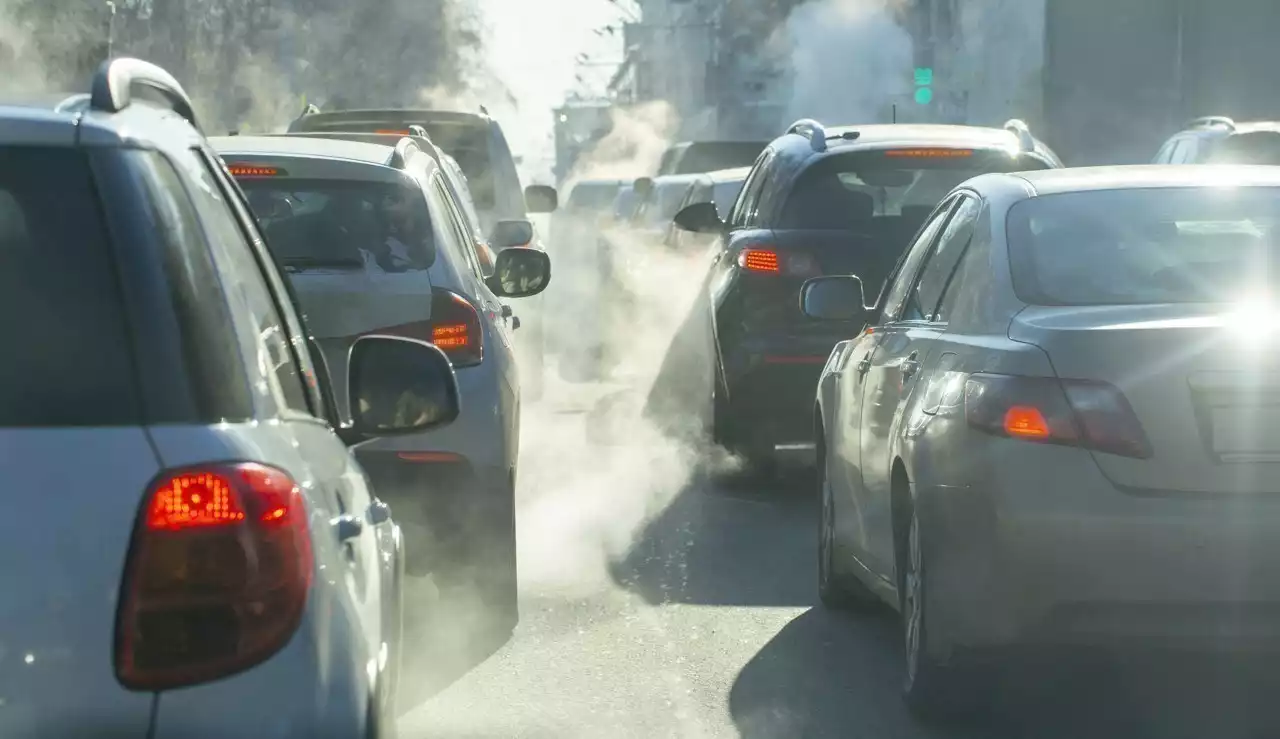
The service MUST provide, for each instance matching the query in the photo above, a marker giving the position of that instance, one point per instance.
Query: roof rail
(1210, 121)
(405, 148)
(417, 130)
(1019, 128)
(310, 109)
(74, 104)
(117, 80)
(812, 130)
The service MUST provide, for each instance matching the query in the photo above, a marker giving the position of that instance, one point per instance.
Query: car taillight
(456, 329)
(1085, 413)
(763, 260)
(217, 575)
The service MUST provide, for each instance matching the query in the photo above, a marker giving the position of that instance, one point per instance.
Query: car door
(358, 521)
(907, 341)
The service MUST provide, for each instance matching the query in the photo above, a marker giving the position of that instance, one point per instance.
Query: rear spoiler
(313, 119)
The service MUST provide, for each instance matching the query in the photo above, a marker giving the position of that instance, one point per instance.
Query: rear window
(1257, 147)
(1158, 245)
(848, 191)
(66, 359)
(596, 196)
(665, 202)
(469, 146)
(341, 224)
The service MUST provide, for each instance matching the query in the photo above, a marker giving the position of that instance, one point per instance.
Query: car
(190, 528)
(1057, 429)
(653, 217)
(719, 188)
(453, 488)
(476, 141)
(820, 201)
(1221, 140)
(697, 157)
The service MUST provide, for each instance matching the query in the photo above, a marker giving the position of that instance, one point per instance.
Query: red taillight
(456, 329)
(217, 576)
(764, 260)
(1085, 413)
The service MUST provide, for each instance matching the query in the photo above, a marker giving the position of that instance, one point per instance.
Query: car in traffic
(1057, 430)
(476, 141)
(653, 217)
(821, 201)
(376, 233)
(697, 157)
(215, 538)
(1221, 140)
(719, 188)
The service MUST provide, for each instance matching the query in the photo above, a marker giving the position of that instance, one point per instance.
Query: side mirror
(834, 299)
(540, 199)
(520, 272)
(399, 386)
(511, 233)
(643, 186)
(700, 218)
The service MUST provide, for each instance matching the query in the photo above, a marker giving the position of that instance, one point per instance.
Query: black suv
(822, 201)
(1220, 140)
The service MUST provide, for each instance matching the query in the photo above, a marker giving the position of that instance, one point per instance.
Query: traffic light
(924, 85)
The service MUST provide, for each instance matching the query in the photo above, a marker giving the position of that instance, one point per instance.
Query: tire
(838, 590)
(933, 691)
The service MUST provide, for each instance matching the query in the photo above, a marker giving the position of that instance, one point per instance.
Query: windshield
(1165, 245)
(337, 224)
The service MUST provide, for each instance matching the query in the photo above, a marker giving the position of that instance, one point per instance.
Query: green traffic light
(924, 76)
(924, 95)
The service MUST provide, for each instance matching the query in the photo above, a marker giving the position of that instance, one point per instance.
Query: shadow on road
(837, 675)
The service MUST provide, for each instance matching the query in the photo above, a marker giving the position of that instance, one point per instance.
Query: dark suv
(822, 201)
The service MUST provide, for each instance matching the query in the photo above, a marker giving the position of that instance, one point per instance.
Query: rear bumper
(771, 383)
(1041, 550)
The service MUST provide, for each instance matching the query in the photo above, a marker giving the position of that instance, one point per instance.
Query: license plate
(1246, 429)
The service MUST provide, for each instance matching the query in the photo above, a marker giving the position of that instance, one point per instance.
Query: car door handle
(864, 364)
(379, 512)
(909, 366)
(506, 311)
(347, 527)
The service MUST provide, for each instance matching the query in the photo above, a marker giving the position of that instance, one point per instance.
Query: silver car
(1059, 425)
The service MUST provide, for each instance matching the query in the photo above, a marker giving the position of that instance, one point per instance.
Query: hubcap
(913, 607)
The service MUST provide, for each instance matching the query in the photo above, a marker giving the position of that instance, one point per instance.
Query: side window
(1165, 154)
(457, 242)
(1183, 151)
(963, 292)
(267, 345)
(926, 295)
(742, 209)
(905, 275)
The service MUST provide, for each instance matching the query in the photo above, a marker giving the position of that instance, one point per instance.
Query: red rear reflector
(217, 576)
(929, 153)
(759, 260)
(249, 170)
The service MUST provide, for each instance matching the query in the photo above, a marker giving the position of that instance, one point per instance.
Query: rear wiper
(321, 262)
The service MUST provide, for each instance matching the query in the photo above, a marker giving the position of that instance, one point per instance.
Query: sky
(532, 46)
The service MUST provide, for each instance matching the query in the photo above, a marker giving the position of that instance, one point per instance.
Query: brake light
(250, 170)
(1085, 413)
(456, 329)
(217, 575)
(763, 260)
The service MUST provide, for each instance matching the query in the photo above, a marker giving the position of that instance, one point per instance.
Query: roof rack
(812, 130)
(1212, 121)
(1019, 128)
(117, 80)
(405, 148)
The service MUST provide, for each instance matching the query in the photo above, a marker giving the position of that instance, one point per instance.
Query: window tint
(66, 359)
(942, 263)
(910, 265)
(723, 195)
(343, 224)
(208, 335)
(266, 345)
(1142, 246)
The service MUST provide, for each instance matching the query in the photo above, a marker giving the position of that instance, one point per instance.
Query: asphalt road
(703, 622)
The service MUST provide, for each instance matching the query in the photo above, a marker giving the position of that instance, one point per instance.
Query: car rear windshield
(594, 196)
(1141, 246)
(469, 145)
(66, 359)
(343, 224)
(664, 203)
(855, 190)
(1254, 147)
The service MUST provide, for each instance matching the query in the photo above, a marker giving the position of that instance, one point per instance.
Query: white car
(192, 549)
(453, 489)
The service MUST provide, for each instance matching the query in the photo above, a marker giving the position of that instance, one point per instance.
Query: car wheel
(933, 691)
(837, 589)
